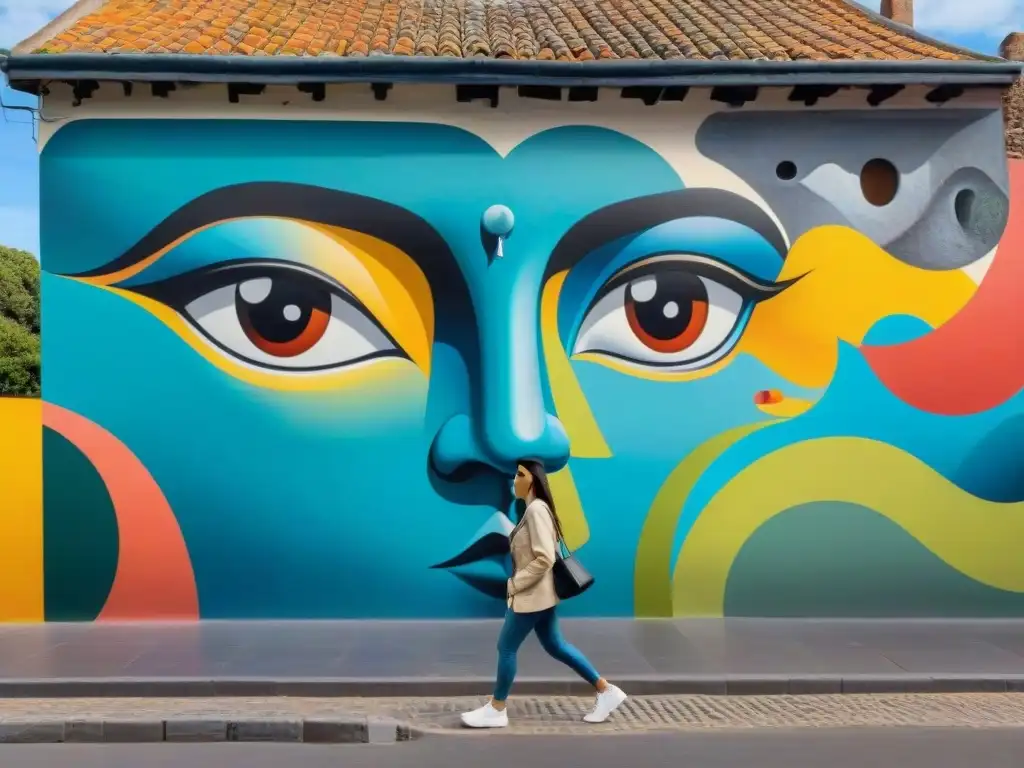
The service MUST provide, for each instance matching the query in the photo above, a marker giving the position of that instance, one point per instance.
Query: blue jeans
(545, 624)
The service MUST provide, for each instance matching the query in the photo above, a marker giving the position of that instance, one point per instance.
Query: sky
(976, 24)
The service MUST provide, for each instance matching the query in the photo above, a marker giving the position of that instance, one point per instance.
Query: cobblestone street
(561, 715)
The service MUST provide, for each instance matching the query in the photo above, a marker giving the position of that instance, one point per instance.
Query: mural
(289, 367)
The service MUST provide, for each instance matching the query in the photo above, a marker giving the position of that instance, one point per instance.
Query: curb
(418, 687)
(350, 730)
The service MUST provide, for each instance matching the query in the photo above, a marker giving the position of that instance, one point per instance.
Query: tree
(19, 360)
(19, 323)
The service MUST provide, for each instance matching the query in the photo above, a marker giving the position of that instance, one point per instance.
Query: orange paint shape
(975, 361)
(154, 578)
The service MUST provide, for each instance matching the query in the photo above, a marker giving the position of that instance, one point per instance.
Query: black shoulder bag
(571, 578)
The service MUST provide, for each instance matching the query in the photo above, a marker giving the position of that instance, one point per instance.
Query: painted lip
(489, 543)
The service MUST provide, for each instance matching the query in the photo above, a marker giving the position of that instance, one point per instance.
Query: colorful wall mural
(289, 365)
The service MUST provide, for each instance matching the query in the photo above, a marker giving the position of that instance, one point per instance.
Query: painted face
(323, 346)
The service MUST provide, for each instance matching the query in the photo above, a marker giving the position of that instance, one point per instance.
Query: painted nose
(510, 420)
(459, 444)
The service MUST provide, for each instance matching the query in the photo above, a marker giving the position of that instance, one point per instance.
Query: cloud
(22, 18)
(994, 18)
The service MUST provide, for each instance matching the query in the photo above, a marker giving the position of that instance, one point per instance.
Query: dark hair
(542, 490)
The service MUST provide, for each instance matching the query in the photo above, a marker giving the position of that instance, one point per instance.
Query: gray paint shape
(940, 155)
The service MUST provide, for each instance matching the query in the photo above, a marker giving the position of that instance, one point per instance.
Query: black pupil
(278, 309)
(663, 304)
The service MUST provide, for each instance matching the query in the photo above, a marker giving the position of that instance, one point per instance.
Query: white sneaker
(607, 702)
(485, 717)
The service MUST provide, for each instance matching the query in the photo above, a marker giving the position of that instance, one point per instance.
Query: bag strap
(559, 536)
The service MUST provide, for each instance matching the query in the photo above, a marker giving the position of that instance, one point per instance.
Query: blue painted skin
(330, 504)
(337, 503)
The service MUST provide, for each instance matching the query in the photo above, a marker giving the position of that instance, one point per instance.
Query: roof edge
(914, 33)
(25, 70)
(58, 26)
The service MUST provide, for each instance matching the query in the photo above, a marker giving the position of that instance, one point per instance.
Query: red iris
(288, 320)
(674, 317)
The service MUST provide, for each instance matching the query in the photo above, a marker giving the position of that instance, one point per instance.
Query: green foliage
(19, 360)
(19, 323)
(19, 287)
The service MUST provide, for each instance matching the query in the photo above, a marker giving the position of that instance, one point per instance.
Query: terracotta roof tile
(567, 30)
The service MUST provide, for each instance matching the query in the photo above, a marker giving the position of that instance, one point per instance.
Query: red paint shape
(976, 360)
(154, 578)
(767, 397)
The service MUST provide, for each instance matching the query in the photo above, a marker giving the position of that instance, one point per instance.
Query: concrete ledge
(419, 687)
(344, 730)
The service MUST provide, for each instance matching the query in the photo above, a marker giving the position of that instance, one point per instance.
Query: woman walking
(531, 604)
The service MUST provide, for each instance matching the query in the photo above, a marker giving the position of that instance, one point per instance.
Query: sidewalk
(393, 720)
(456, 658)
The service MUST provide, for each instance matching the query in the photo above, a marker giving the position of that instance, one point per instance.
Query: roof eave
(27, 71)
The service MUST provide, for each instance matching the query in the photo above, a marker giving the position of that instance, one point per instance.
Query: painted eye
(275, 315)
(677, 312)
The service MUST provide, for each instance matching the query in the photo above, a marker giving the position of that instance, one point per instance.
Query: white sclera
(606, 327)
(350, 334)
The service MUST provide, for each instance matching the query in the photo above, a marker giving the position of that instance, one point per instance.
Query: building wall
(770, 351)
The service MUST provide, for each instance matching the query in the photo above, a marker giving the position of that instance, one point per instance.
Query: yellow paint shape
(653, 374)
(980, 539)
(847, 284)
(569, 508)
(571, 404)
(786, 408)
(21, 509)
(389, 283)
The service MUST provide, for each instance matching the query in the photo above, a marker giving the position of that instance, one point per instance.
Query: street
(803, 748)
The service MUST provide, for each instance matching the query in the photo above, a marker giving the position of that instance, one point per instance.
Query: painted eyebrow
(377, 218)
(385, 221)
(640, 213)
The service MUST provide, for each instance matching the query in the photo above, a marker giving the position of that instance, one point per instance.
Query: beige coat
(533, 543)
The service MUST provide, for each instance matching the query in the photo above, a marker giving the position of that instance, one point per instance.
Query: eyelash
(750, 288)
(181, 291)
(176, 292)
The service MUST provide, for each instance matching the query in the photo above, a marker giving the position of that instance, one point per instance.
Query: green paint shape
(833, 559)
(80, 543)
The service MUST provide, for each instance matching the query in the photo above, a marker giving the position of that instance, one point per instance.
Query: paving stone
(756, 686)
(381, 730)
(265, 730)
(330, 731)
(32, 733)
(132, 731)
(888, 684)
(196, 730)
(815, 684)
(966, 684)
(86, 731)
